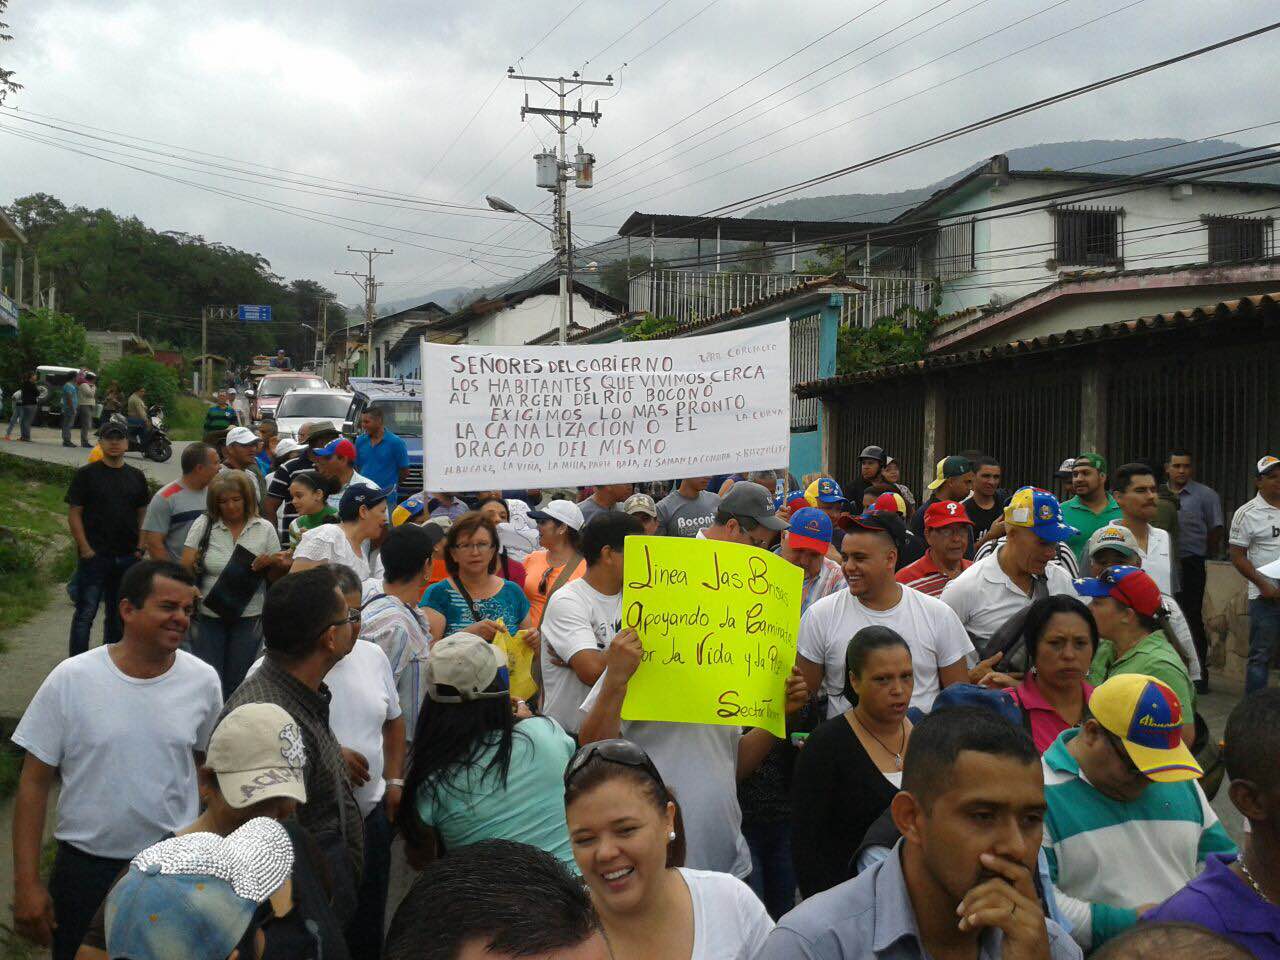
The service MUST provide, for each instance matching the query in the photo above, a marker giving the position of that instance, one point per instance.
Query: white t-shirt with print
(1256, 529)
(932, 630)
(123, 747)
(729, 921)
(328, 543)
(699, 763)
(578, 617)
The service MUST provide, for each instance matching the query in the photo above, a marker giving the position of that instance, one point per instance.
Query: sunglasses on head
(622, 752)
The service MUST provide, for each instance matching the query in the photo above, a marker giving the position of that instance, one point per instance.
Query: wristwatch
(395, 782)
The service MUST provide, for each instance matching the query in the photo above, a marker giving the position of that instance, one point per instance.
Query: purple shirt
(1224, 903)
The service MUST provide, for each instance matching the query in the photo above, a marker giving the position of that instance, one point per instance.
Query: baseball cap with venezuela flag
(824, 490)
(1128, 585)
(1040, 511)
(1147, 717)
(809, 529)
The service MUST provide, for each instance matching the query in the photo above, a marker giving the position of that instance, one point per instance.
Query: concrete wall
(1010, 252)
(530, 318)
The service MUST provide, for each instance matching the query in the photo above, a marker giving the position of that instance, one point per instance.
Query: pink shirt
(1046, 722)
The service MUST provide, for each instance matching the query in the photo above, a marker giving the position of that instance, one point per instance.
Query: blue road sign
(254, 313)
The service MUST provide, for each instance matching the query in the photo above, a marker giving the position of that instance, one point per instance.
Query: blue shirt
(509, 605)
(1222, 902)
(382, 462)
(1199, 512)
(871, 916)
(70, 397)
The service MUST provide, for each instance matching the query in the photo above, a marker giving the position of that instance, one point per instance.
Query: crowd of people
(330, 722)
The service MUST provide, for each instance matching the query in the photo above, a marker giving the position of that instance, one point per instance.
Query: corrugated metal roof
(1262, 303)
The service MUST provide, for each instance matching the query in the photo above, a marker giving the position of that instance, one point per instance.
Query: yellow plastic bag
(519, 663)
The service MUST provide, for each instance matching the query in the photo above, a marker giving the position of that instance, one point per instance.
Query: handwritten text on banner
(548, 416)
(718, 622)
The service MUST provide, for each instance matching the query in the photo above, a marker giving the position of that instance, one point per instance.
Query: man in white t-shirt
(1254, 543)
(124, 727)
(1137, 493)
(1006, 582)
(938, 642)
(582, 618)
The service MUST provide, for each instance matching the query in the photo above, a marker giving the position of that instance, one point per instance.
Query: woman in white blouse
(352, 541)
(227, 631)
(628, 841)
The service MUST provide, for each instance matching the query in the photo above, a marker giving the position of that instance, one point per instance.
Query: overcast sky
(374, 93)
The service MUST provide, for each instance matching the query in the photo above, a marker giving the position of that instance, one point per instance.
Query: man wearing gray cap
(745, 515)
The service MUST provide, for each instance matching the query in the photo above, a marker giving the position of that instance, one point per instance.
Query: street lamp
(562, 254)
(316, 346)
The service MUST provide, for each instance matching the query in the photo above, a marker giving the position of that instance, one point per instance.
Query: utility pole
(324, 335)
(370, 287)
(562, 120)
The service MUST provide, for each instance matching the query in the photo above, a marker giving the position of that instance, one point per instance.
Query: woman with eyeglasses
(628, 841)
(851, 766)
(478, 771)
(473, 598)
(559, 561)
(496, 509)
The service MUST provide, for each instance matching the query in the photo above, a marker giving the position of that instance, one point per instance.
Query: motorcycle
(153, 442)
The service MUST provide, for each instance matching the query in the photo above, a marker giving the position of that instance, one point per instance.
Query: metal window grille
(806, 335)
(1238, 238)
(1087, 236)
(954, 250)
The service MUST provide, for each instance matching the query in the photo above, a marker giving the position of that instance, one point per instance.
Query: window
(953, 250)
(1087, 236)
(1237, 238)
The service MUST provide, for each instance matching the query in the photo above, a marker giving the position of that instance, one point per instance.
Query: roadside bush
(132, 372)
(45, 337)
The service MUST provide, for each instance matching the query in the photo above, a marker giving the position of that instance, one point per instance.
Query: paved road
(46, 444)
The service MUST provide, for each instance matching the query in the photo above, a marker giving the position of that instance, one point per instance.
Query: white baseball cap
(564, 511)
(242, 436)
(257, 753)
(467, 664)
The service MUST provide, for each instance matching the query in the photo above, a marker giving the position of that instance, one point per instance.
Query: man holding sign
(715, 646)
(582, 618)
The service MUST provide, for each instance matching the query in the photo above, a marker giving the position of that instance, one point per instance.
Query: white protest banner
(564, 416)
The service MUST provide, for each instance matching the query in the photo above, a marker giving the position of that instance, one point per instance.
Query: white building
(519, 316)
(1023, 253)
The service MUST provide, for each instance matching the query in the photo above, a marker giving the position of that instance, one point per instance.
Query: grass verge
(36, 554)
(186, 420)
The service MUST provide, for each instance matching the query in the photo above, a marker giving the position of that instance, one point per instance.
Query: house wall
(385, 337)
(1011, 252)
(529, 318)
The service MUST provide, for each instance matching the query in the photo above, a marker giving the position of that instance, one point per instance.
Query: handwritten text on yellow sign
(718, 622)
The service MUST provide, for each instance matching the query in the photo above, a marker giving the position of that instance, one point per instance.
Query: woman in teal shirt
(479, 771)
(473, 598)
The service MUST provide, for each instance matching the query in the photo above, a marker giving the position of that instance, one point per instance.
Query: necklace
(1244, 868)
(896, 754)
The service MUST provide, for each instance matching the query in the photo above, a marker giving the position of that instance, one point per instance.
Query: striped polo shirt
(1108, 857)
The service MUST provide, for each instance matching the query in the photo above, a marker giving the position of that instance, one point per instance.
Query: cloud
(376, 93)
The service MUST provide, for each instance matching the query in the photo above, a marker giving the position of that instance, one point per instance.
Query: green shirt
(1153, 656)
(1087, 522)
(301, 525)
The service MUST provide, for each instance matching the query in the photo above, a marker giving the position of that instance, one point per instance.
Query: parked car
(49, 380)
(401, 404)
(306, 404)
(273, 386)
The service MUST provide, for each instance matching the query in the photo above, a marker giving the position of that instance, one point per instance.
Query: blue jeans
(68, 421)
(28, 418)
(229, 646)
(773, 878)
(98, 582)
(1264, 635)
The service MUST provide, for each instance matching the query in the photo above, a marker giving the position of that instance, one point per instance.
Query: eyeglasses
(619, 751)
(353, 616)
(473, 547)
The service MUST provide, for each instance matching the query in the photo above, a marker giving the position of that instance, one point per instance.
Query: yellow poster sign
(718, 622)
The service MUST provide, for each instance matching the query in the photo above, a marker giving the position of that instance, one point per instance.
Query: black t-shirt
(982, 519)
(111, 498)
(30, 393)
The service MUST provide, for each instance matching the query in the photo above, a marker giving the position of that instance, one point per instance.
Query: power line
(626, 33)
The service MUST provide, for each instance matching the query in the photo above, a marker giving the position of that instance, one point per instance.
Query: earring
(671, 837)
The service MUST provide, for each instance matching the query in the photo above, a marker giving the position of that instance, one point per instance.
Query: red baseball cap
(945, 513)
(1131, 586)
(890, 503)
(341, 447)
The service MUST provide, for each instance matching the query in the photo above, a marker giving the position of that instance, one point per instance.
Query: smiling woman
(628, 841)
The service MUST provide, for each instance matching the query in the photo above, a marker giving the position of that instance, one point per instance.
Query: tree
(135, 371)
(900, 338)
(45, 337)
(7, 84)
(613, 277)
